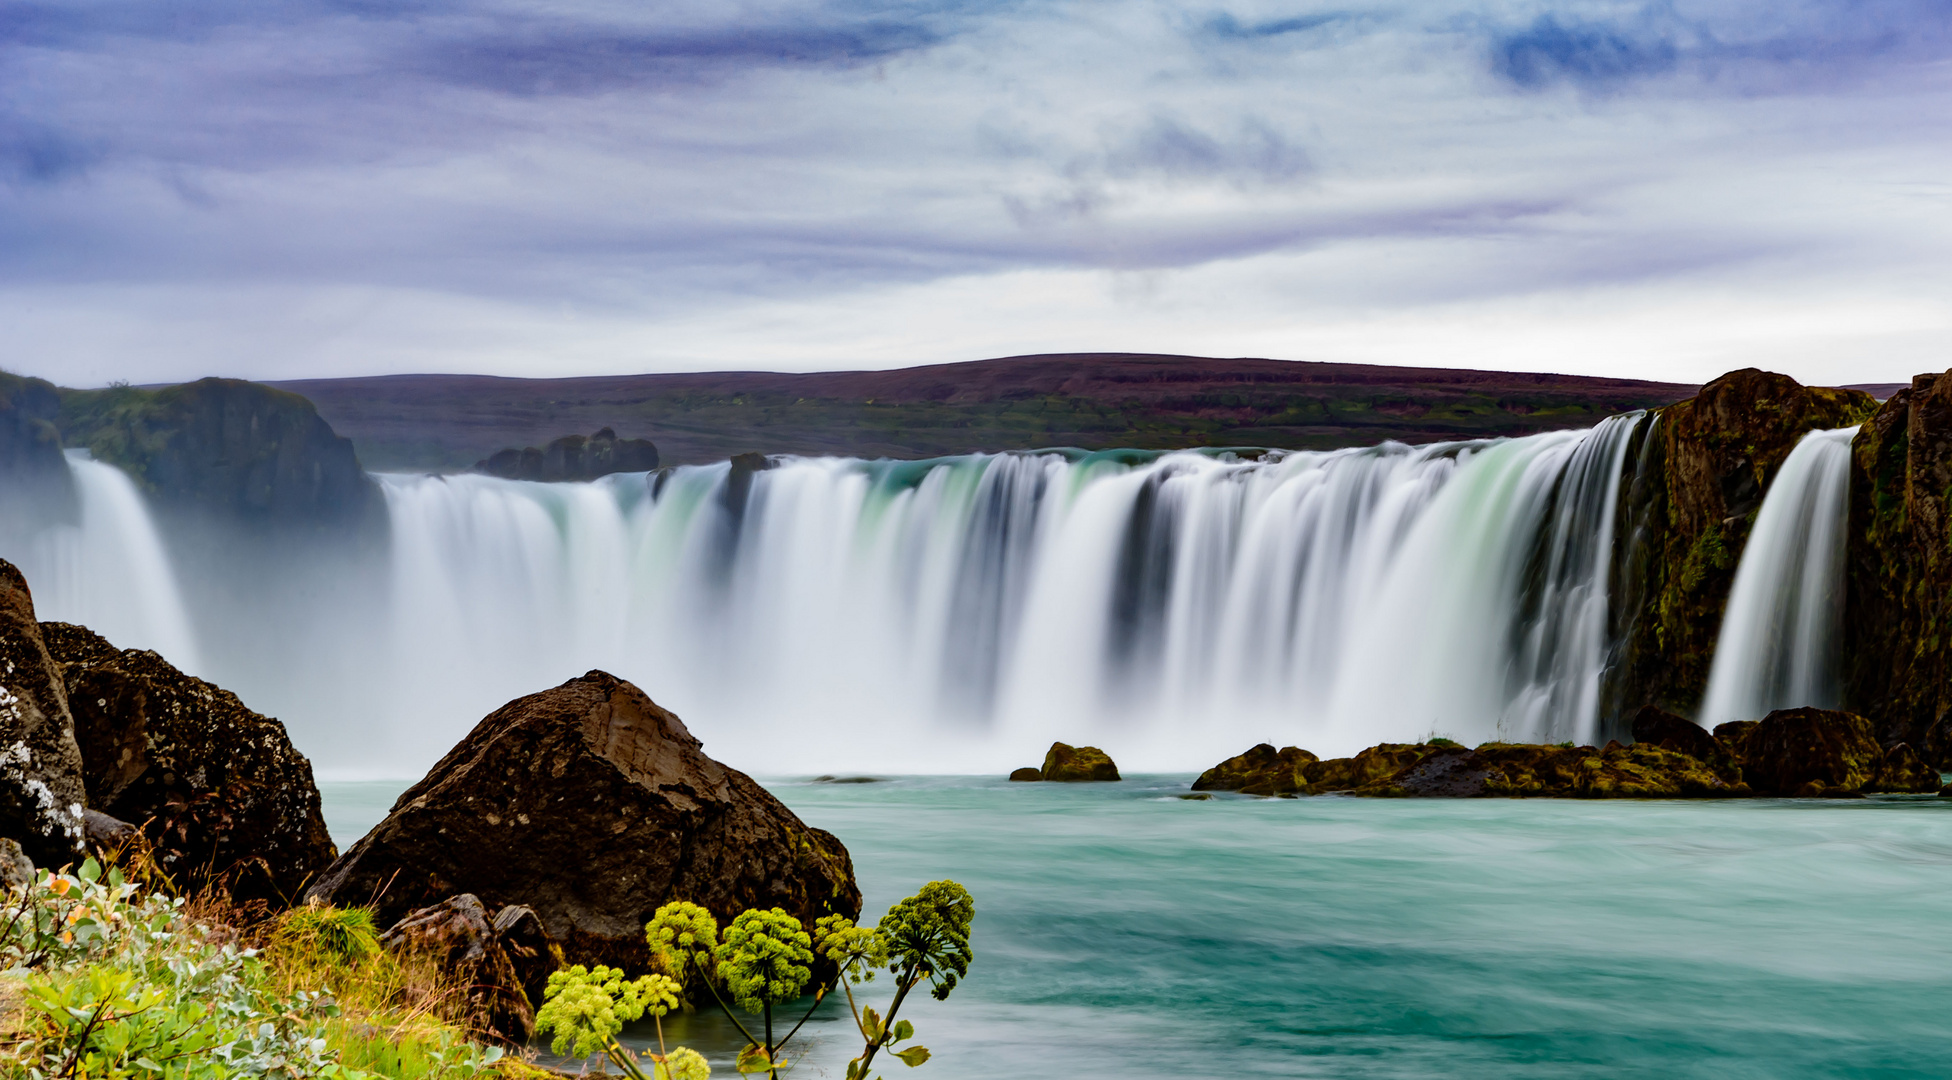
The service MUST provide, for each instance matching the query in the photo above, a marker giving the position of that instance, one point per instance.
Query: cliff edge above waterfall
(238, 451)
(1696, 478)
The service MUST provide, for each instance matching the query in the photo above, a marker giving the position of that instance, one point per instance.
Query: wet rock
(16, 869)
(591, 805)
(1072, 764)
(457, 935)
(1659, 727)
(1806, 753)
(1703, 467)
(218, 790)
(1449, 772)
(1262, 770)
(573, 457)
(1197, 796)
(1026, 774)
(1902, 770)
(1375, 765)
(41, 788)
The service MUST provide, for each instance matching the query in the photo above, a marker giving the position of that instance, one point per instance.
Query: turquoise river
(1124, 932)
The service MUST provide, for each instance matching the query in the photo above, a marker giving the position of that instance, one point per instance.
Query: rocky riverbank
(1792, 753)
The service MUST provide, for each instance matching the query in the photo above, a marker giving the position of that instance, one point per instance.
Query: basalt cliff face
(1898, 594)
(232, 450)
(1696, 475)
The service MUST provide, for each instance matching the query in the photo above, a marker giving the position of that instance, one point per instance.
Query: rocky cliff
(1697, 475)
(1898, 597)
(34, 481)
(233, 450)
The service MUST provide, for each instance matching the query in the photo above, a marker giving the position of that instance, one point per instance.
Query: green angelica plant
(765, 960)
(587, 1008)
(923, 938)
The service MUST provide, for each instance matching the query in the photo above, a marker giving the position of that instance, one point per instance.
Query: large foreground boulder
(217, 789)
(592, 805)
(41, 790)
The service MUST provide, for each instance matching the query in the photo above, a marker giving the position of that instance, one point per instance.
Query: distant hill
(1090, 400)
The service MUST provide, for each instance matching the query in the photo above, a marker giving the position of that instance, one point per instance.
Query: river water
(1122, 931)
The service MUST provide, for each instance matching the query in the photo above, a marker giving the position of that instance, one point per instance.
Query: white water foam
(960, 614)
(109, 571)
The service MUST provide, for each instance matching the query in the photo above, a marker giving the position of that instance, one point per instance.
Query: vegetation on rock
(1072, 764)
(1792, 752)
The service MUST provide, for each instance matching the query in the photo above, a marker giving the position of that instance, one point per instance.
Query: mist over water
(953, 615)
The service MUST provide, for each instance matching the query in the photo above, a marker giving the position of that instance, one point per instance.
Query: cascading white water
(109, 571)
(1781, 638)
(945, 615)
(959, 614)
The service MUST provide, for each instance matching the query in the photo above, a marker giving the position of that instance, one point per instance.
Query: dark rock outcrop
(1262, 770)
(16, 869)
(458, 937)
(35, 485)
(1027, 774)
(231, 450)
(573, 457)
(531, 951)
(1821, 753)
(1699, 472)
(592, 805)
(1898, 589)
(1075, 764)
(217, 789)
(1657, 727)
(41, 788)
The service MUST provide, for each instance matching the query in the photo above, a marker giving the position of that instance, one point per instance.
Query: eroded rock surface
(592, 805)
(41, 789)
(217, 789)
(573, 457)
(458, 936)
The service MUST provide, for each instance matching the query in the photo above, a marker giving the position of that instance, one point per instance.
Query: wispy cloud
(608, 178)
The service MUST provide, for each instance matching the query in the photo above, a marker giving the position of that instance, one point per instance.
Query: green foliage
(587, 1008)
(925, 937)
(1439, 740)
(683, 938)
(929, 933)
(337, 935)
(764, 959)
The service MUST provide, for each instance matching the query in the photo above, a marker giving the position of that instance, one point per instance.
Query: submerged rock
(1262, 770)
(218, 790)
(1071, 764)
(1026, 774)
(41, 789)
(592, 805)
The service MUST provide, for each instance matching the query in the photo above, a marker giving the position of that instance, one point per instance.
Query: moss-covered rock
(1700, 471)
(240, 451)
(1026, 775)
(1262, 770)
(1071, 764)
(1821, 753)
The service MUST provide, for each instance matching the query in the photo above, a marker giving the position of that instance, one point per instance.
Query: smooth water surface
(1122, 931)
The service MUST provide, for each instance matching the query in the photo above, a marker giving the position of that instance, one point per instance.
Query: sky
(302, 188)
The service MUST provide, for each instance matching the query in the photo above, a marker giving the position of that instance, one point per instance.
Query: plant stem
(908, 980)
(723, 1007)
(772, 1072)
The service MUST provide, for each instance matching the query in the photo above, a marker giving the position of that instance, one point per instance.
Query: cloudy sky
(284, 188)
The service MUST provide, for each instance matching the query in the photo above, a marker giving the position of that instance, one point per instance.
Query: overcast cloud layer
(282, 188)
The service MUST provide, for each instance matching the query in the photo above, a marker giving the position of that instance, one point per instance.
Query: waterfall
(961, 613)
(1781, 638)
(109, 571)
(947, 615)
